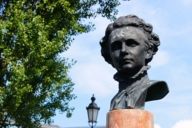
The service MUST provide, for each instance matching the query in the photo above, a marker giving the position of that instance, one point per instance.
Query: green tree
(33, 77)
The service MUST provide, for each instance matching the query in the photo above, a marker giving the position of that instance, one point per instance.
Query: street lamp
(92, 112)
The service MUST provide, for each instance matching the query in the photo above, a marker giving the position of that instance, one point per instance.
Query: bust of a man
(129, 45)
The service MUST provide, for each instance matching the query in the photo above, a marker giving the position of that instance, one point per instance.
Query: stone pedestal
(129, 118)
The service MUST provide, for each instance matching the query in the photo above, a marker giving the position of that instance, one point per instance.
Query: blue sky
(172, 21)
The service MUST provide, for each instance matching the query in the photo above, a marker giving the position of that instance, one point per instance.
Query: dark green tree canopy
(33, 77)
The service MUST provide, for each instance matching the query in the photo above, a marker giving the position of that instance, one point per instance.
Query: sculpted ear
(149, 54)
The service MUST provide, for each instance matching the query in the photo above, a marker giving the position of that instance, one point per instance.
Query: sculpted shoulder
(157, 90)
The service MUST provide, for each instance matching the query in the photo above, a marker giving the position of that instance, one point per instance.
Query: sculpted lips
(126, 61)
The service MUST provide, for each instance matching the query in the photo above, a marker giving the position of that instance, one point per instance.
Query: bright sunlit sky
(172, 21)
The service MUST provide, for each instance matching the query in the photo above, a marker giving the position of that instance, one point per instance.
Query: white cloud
(94, 77)
(157, 126)
(183, 124)
(187, 3)
(136, 7)
(160, 59)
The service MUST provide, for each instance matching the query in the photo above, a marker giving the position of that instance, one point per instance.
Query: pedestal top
(129, 118)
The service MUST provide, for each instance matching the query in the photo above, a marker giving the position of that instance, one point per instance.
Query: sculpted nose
(124, 48)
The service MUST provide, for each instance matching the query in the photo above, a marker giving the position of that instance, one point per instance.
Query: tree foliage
(33, 77)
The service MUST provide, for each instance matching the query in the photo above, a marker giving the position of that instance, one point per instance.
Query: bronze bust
(129, 45)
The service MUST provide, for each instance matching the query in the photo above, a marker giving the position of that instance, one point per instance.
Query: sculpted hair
(130, 20)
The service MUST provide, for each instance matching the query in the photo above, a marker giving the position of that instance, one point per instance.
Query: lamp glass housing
(92, 112)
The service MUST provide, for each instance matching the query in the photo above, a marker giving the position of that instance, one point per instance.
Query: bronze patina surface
(129, 45)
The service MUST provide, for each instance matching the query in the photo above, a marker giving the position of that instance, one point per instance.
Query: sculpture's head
(129, 44)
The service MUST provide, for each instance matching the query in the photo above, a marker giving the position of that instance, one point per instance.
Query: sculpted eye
(116, 45)
(131, 43)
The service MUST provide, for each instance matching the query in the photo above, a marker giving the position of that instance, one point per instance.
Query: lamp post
(92, 112)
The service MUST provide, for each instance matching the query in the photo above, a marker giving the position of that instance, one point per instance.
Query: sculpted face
(128, 49)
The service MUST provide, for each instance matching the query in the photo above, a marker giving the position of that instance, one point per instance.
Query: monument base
(129, 118)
